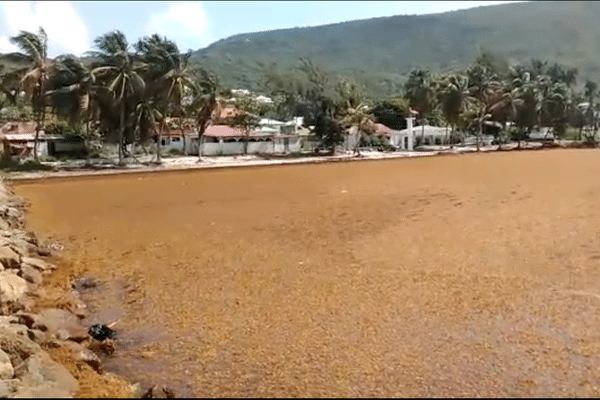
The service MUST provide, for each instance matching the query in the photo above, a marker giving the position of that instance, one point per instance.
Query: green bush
(61, 128)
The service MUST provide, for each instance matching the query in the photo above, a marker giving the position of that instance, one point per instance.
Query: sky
(71, 26)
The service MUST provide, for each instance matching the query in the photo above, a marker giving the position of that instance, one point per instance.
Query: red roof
(382, 130)
(228, 131)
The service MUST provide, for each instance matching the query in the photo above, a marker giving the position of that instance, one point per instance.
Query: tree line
(122, 92)
(516, 100)
(127, 93)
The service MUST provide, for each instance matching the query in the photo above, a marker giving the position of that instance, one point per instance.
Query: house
(429, 134)
(18, 139)
(226, 140)
(399, 139)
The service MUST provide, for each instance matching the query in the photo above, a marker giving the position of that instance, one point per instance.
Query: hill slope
(381, 51)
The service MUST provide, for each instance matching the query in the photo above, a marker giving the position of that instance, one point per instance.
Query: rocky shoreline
(32, 335)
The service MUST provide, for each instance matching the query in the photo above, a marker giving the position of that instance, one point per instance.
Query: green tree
(247, 117)
(34, 47)
(122, 73)
(205, 104)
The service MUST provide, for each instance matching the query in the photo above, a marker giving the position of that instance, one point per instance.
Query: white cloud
(185, 23)
(65, 29)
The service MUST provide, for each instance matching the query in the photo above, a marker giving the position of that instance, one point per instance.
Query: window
(176, 139)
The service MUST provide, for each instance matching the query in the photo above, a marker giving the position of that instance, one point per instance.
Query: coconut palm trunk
(121, 131)
(158, 142)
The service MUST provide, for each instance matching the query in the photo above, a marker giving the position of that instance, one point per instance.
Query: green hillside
(381, 51)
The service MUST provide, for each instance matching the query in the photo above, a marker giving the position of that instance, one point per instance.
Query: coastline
(75, 170)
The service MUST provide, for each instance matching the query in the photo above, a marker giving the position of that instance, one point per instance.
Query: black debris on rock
(101, 332)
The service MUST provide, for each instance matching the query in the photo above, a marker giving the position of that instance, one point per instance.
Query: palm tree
(35, 48)
(205, 103)
(421, 94)
(454, 96)
(170, 74)
(73, 92)
(123, 74)
(360, 118)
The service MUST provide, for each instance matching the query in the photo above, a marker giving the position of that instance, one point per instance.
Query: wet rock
(31, 275)
(159, 392)
(37, 263)
(12, 287)
(8, 387)
(106, 347)
(43, 377)
(6, 368)
(84, 283)
(9, 257)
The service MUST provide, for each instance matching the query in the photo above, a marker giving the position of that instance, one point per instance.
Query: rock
(9, 257)
(83, 283)
(12, 215)
(43, 377)
(85, 355)
(106, 347)
(8, 387)
(64, 324)
(4, 225)
(6, 368)
(9, 319)
(25, 303)
(37, 336)
(16, 329)
(22, 247)
(136, 391)
(31, 275)
(159, 392)
(12, 287)
(32, 321)
(18, 347)
(38, 264)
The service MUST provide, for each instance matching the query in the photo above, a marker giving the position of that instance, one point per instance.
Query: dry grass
(449, 276)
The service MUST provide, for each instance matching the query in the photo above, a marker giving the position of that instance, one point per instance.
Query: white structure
(263, 99)
(429, 134)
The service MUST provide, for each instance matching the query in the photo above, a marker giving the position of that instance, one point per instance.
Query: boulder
(9, 258)
(37, 336)
(63, 324)
(85, 355)
(6, 368)
(38, 264)
(8, 387)
(32, 321)
(31, 275)
(12, 287)
(159, 392)
(43, 377)
(18, 347)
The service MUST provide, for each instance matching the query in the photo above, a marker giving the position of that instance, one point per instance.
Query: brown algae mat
(471, 275)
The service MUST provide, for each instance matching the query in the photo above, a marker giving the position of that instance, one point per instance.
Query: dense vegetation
(381, 52)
